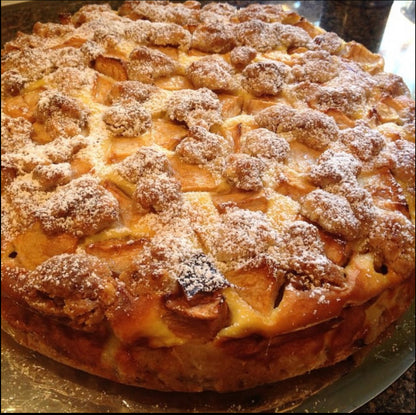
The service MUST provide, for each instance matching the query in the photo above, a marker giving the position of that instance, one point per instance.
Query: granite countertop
(388, 28)
(398, 398)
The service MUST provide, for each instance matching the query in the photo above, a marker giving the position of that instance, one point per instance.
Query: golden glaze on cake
(202, 197)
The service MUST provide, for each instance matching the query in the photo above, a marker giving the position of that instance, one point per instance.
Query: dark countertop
(398, 398)
(397, 46)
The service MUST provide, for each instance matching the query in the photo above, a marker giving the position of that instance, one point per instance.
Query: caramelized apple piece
(253, 106)
(386, 113)
(295, 185)
(202, 306)
(236, 132)
(22, 105)
(281, 209)
(17, 107)
(171, 51)
(341, 119)
(391, 109)
(139, 312)
(399, 103)
(309, 28)
(101, 88)
(370, 62)
(337, 250)
(112, 67)
(129, 215)
(75, 42)
(167, 134)
(192, 177)
(34, 247)
(173, 83)
(244, 200)
(231, 105)
(121, 148)
(203, 210)
(40, 135)
(117, 253)
(80, 166)
(386, 192)
(257, 286)
(301, 158)
(133, 318)
(204, 314)
(8, 174)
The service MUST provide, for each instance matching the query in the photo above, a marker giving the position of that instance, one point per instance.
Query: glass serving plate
(33, 383)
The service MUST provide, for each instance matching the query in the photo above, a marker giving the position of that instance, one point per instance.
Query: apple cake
(200, 197)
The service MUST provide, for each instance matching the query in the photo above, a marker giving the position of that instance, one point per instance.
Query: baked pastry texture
(202, 197)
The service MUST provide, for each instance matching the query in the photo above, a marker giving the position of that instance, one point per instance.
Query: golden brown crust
(202, 198)
(174, 368)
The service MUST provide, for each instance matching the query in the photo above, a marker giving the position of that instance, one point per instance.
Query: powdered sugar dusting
(310, 127)
(146, 161)
(334, 167)
(265, 78)
(78, 287)
(127, 119)
(196, 108)
(261, 142)
(82, 207)
(32, 64)
(332, 212)
(15, 133)
(201, 146)
(241, 234)
(146, 64)
(364, 142)
(211, 72)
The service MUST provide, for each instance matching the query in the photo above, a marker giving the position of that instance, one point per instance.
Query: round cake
(200, 197)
